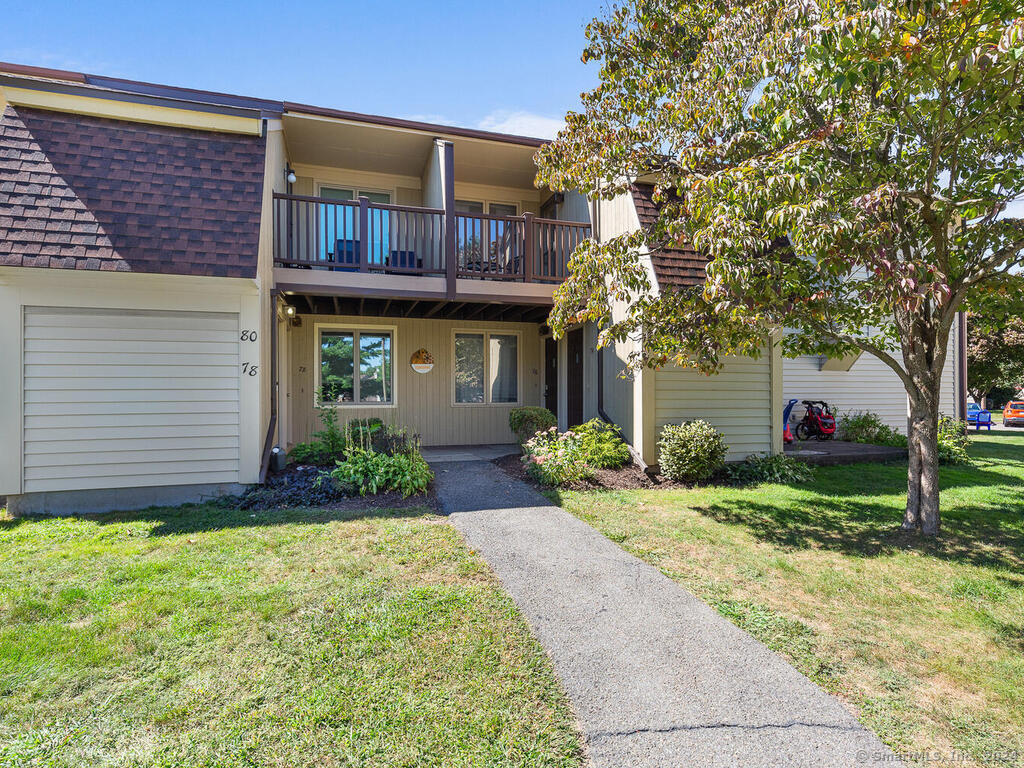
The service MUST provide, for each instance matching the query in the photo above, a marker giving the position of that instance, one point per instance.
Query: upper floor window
(338, 193)
(356, 367)
(471, 207)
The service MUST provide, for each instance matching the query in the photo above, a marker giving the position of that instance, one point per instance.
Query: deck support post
(529, 247)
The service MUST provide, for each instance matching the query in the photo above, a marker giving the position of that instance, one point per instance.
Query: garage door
(128, 398)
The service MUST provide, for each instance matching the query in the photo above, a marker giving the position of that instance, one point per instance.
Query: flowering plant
(555, 458)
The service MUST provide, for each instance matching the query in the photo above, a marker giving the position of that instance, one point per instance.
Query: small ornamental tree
(846, 167)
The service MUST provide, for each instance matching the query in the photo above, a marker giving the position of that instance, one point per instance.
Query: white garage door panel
(190, 443)
(117, 398)
(56, 397)
(96, 384)
(91, 407)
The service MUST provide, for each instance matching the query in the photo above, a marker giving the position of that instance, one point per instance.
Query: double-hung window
(486, 368)
(356, 367)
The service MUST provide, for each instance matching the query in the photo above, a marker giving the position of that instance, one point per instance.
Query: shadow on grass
(845, 509)
(197, 518)
(866, 529)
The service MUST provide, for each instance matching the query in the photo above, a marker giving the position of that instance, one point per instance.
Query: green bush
(327, 445)
(554, 458)
(601, 445)
(529, 420)
(767, 469)
(953, 441)
(868, 427)
(371, 472)
(691, 452)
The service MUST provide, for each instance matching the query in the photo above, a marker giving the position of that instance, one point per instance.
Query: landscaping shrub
(326, 446)
(554, 458)
(601, 445)
(382, 458)
(953, 441)
(691, 452)
(529, 420)
(767, 469)
(868, 427)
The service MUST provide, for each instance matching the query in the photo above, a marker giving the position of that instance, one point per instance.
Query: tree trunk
(922, 511)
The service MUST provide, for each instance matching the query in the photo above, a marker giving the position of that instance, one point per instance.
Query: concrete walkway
(656, 677)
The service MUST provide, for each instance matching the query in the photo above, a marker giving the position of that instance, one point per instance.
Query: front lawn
(198, 636)
(925, 641)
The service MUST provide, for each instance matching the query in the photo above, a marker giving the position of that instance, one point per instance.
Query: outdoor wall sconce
(289, 174)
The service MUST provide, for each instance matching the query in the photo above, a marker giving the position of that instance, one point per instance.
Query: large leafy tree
(846, 166)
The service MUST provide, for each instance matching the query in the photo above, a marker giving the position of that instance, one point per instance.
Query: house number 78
(250, 369)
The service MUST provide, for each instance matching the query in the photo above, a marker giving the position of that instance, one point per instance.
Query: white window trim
(355, 189)
(317, 365)
(486, 333)
(486, 203)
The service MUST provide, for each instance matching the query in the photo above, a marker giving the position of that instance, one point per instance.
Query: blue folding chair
(403, 260)
(984, 420)
(346, 255)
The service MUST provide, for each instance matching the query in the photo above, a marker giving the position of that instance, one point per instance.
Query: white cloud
(515, 121)
(521, 123)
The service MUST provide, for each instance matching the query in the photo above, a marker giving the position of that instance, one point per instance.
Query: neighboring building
(182, 272)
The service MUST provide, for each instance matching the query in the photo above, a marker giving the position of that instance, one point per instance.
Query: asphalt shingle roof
(79, 192)
(677, 267)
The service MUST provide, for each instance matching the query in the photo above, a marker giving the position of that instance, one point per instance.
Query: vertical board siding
(129, 398)
(736, 401)
(870, 385)
(423, 402)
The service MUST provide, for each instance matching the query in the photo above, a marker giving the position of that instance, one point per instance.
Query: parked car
(1013, 414)
(973, 409)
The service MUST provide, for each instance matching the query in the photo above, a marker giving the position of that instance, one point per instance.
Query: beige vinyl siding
(423, 402)
(870, 385)
(622, 393)
(736, 401)
(129, 398)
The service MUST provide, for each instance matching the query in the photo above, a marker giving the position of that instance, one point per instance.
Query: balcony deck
(358, 248)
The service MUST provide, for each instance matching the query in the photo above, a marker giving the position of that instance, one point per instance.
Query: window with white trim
(356, 367)
(486, 368)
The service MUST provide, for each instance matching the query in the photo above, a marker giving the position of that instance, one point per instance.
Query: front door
(574, 378)
(551, 375)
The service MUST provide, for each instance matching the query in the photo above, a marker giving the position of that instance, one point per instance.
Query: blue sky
(498, 65)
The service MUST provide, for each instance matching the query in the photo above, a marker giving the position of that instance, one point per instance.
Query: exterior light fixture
(289, 174)
(289, 311)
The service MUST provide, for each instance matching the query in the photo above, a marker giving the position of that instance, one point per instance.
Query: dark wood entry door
(551, 375)
(574, 378)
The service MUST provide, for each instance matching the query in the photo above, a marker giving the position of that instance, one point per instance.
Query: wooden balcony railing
(359, 236)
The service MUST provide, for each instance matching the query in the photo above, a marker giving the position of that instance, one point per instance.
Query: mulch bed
(296, 486)
(625, 478)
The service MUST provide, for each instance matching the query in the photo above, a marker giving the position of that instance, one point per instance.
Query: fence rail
(357, 235)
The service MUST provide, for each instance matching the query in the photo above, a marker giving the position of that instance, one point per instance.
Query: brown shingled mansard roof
(676, 267)
(81, 192)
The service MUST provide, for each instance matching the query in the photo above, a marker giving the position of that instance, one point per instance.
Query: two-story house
(187, 278)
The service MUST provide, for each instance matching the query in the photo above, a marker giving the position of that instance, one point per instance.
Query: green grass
(203, 637)
(924, 640)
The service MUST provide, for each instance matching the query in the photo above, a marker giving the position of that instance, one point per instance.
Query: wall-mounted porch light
(289, 174)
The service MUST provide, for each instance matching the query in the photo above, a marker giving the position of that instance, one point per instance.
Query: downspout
(268, 442)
